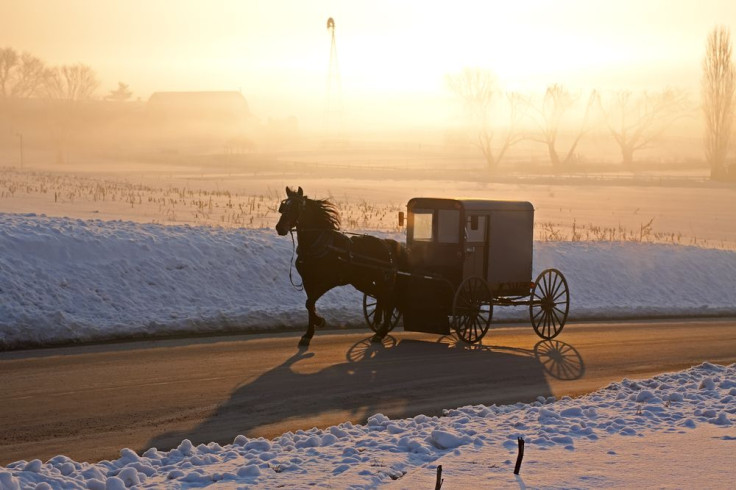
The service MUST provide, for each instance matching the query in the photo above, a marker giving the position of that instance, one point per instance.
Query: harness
(324, 244)
(319, 248)
(300, 286)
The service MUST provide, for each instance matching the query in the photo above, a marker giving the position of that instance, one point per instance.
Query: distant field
(677, 205)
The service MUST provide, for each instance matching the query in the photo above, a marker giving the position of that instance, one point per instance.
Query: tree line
(61, 90)
(634, 121)
(23, 76)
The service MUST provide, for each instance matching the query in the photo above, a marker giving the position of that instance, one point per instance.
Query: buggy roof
(469, 204)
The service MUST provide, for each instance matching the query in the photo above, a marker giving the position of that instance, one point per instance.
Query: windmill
(333, 104)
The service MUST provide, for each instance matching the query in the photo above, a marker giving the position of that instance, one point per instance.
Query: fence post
(440, 480)
(519, 457)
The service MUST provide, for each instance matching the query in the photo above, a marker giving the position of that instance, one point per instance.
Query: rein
(363, 260)
(300, 286)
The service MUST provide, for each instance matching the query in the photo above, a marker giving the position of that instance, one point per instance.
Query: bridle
(286, 204)
(283, 207)
(300, 201)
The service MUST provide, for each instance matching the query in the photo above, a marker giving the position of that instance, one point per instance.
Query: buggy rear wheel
(550, 303)
(472, 309)
(374, 321)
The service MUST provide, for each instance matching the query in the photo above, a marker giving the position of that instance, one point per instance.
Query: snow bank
(72, 280)
(610, 430)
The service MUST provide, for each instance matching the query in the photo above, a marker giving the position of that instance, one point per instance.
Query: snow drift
(67, 280)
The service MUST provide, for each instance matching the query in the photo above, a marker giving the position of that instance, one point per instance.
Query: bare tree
(8, 63)
(30, 76)
(480, 93)
(71, 83)
(549, 116)
(20, 75)
(718, 99)
(635, 122)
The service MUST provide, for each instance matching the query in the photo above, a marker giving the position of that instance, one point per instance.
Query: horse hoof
(304, 341)
(377, 339)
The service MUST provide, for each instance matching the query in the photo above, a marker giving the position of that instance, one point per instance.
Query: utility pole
(20, 137)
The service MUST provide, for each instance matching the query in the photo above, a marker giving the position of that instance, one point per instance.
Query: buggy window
(448, 226)
(423, 225)
(475, 233)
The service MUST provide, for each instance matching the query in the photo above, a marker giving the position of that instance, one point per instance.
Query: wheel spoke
(554, 292)
(555, 285)
(549, 303)
(562, 313)
(472, 309)
(477, 328)
(554, 319)
(536, 315)
(547, 283)
(562, 293)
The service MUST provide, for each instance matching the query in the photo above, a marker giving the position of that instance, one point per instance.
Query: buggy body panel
(465, 256)
(486, 238)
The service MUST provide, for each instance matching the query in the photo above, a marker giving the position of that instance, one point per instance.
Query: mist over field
(607, 122)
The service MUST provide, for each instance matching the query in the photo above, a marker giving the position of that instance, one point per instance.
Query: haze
(232, 98)
(391, 54)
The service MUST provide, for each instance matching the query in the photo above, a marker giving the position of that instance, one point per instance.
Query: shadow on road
(558, 359)
(398, 378)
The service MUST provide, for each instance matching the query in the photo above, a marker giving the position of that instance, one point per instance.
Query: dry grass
(63, 194)
(555, 232)
(87, 197)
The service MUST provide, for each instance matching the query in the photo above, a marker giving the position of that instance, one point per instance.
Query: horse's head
(291, 210)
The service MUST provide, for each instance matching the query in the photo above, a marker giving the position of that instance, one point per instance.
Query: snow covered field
(675, 430)
(68, 280)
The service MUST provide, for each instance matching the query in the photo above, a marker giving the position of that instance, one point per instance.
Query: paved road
(89, 402)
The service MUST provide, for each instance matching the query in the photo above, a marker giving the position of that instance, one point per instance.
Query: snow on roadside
(73, 280)
(592, 441)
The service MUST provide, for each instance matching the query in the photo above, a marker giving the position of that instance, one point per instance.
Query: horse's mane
(321, 213)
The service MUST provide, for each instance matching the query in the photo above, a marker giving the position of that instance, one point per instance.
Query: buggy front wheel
(374, 321)
(550, 303)
(472, 309)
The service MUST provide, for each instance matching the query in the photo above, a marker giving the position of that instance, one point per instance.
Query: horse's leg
(314, 318)
(307, 337)
(313, 294)
(386, 307)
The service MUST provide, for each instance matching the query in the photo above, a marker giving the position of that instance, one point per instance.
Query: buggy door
(434, 238)
(475, 248)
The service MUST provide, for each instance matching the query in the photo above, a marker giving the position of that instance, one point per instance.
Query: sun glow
(279, 51)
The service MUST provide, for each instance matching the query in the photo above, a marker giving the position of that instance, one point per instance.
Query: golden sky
(277, 51)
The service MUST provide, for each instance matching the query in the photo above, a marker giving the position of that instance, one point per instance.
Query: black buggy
(465, 257)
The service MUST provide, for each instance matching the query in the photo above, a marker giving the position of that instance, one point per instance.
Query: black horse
(327, 258)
